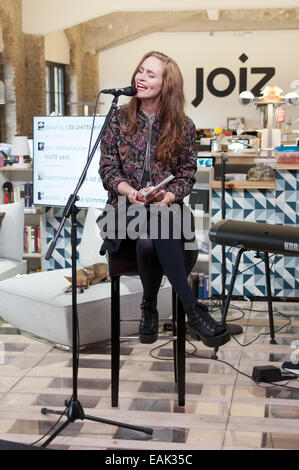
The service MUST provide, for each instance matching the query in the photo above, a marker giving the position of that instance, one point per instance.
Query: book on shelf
(25, 249)
(28, 194)
(200, 292)
(194, 283)
(10, 196)
(204, 248)
(32, 240)
(206, 287)
(18, 192)
(200, 285)
(37, 239)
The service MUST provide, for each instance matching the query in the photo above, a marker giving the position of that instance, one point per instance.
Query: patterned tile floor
(224, 408)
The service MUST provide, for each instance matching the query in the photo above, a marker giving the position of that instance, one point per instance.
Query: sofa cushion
(12, 231)
(38, 305)
(10, 268)
(91, 240)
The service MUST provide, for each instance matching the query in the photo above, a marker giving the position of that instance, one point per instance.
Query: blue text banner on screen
(60, 149)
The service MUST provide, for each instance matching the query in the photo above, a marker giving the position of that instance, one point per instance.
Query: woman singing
(145, 141)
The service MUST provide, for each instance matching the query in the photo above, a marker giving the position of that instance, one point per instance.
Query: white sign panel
(60, 150)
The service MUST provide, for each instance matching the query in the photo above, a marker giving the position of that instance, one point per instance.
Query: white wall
(277, 49)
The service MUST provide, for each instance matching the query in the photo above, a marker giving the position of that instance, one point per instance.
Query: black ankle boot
(203, 326)
(149, 324)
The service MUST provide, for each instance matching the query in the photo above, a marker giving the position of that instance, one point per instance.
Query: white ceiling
(44, 16)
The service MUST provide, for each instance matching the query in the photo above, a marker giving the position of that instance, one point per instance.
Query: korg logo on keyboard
(290, 246)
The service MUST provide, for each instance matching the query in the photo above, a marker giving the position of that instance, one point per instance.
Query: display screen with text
(60, 152)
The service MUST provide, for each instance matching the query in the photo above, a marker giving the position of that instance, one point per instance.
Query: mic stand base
(234, 329)
(75, 411)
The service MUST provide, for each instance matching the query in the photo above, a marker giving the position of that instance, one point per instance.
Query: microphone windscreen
(127, 91)
(131, 91)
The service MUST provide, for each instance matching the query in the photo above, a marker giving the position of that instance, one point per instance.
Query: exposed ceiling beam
(117, 28)
(44, 16)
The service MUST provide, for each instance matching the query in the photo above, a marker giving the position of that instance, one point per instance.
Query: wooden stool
(124, 262)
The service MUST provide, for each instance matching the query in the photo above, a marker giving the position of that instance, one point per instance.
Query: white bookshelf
(33, 216)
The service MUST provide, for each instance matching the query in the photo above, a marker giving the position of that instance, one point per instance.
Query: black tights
(158, 257)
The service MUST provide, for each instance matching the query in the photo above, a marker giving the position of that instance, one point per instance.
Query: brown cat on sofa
(89, 276)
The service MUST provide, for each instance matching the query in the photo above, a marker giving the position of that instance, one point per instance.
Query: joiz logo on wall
(267, 74)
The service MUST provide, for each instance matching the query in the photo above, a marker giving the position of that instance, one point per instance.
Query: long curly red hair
(171, 111)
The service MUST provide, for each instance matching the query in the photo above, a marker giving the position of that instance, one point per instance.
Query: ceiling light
(213, 14)
(292, 98)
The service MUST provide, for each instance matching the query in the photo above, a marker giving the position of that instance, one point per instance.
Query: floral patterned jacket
(122, 157)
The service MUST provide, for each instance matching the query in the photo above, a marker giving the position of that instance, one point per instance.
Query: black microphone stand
(233, 329)
(74, 408)
(223, 216)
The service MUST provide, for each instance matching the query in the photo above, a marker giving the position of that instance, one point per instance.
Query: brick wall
(35, 73)
(2, 106)
(83, 72)
(23, 68)
(10, 17)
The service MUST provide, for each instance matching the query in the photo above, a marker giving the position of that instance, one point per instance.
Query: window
(55, 88)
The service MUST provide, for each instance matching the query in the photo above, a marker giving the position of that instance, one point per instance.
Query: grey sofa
(11, 240)
(37, 304)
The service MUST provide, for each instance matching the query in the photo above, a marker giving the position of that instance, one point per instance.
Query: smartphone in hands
(158, 186)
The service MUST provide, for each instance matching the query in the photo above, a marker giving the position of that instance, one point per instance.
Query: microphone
(128, 91)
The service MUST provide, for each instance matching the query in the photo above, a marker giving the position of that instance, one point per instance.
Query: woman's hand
(135, 197)
(126, 190)
(155, 196)
(168, 199)
(159, 197)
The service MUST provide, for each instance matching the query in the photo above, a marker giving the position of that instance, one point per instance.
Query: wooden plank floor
(224, 408)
